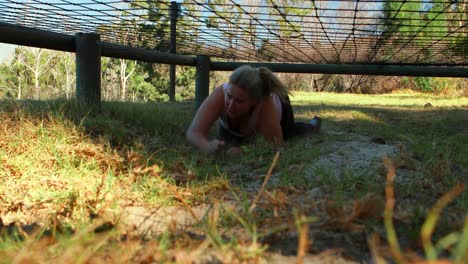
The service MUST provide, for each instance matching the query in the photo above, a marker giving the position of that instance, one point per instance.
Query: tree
(189, 27)
(142, 90)
(401, 18)
(460, 43)
(436, 17)
(38, 63)
(14, 77)
(155, 29)
(228, 23)
(109, 79)
(64, 74)
(151, 33)
(7, 84)
(127, 68)
(7, 81)
(293, 13)
(185, 82)
(288, 14)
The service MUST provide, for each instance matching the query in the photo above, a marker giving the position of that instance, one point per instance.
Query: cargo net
(424, 32)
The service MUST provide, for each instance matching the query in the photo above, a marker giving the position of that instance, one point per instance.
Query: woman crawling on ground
(253, 102)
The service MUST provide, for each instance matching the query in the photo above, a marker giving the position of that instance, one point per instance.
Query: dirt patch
(353, 154)
(150, 222)
(356, 154)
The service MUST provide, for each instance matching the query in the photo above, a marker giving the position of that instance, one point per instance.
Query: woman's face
(238, 102)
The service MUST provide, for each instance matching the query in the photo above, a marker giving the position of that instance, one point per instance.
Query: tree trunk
(124, 77)
(20, 77)
(37, 88)
(123, 81)
(67, 86)
(462, 17)
(68, 61)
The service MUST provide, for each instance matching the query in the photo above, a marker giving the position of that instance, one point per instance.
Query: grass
(70, 176)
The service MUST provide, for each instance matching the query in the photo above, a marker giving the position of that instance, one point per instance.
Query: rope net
(397, 32)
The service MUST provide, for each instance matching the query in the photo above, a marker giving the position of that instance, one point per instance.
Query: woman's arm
(209, 111)
(269, 123)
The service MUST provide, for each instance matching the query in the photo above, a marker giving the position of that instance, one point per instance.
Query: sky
(5, 51)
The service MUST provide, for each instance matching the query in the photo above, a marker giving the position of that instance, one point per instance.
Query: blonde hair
(258, 82)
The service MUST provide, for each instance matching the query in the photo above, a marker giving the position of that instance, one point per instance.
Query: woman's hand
(234, 151)
(209, 111)
(213, 146)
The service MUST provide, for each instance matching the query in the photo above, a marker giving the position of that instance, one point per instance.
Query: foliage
(436, 26)
(149, 82)
(121, 80)
(423, 84)
(36, 73)
(7, 82)
(294, 13)
(399, 18)
(459, 44)
(416, 23)
(185, 82)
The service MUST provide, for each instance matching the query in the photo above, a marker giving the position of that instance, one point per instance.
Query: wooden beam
(359, 69)
(24, 36)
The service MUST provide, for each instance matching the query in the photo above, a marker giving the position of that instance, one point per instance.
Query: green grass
(64, 167)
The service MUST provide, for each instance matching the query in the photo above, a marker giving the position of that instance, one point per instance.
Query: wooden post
(173, 44)
(88, 68)
(202, 87)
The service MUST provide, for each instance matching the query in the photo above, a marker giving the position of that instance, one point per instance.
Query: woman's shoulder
(219, 90)
(216, 97)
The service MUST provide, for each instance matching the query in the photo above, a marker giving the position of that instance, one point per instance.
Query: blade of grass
(273, 164)
(388, 212)
(373, 242)
(303, 243)
(461, 252)
(432, 218)
(447, 241)
(182, 200)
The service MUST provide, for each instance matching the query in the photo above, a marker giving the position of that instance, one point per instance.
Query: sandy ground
(358, 153)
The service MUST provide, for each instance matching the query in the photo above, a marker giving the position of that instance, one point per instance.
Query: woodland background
(33, 73)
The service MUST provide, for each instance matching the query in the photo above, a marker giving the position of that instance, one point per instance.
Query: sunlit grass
(417, 100)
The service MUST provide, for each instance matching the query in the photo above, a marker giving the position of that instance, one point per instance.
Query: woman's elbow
(192, 136)
(189, 135)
